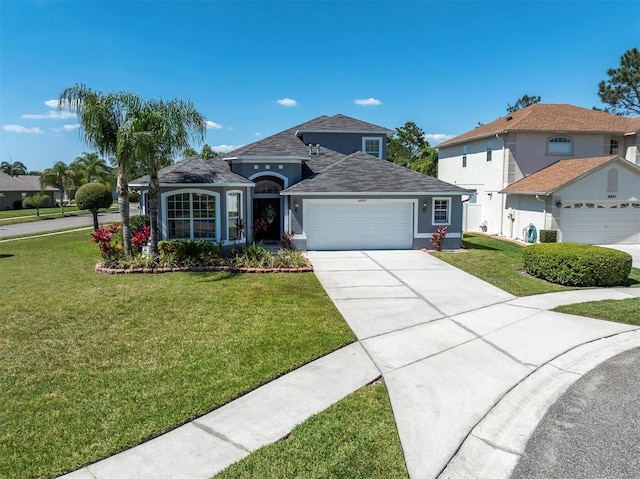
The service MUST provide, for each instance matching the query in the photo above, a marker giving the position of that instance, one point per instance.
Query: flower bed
(231, 269)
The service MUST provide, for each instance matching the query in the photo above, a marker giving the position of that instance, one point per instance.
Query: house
(14, 189)
(326, 182)
(553, 166)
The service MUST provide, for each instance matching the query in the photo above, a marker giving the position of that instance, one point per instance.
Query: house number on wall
(361, 201)
(611, 196)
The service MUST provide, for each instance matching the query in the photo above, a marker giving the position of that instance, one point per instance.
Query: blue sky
(254, 68)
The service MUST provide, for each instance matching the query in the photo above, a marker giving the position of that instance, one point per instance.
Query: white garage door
(358, 224)
(605, 223)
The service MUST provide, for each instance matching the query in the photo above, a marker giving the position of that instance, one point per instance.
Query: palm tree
(92, 167)
(160, 131)
(59, 176)
(102, 118)
(13, 169)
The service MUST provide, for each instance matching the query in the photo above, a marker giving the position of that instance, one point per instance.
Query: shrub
(190, 252)
(574, 264)
(438, 237)
(36, 201)
(92, 197)
(548, 236)
(138, 222)
(134, 196)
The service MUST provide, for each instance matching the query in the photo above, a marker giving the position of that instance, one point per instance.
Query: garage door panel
(344, 225)
(600, 225)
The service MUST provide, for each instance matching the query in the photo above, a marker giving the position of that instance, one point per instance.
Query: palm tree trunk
(61, 189)
(123, 206)
(154, 189)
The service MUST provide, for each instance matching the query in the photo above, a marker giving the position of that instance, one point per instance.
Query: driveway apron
(449, 346)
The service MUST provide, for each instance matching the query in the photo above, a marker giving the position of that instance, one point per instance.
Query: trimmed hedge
(548, 236)
(573, 264)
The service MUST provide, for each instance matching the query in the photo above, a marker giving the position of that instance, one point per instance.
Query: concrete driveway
(470, 369)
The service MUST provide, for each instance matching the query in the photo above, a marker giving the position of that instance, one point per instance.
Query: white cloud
(52, 103)
(257, 133)
(22, 129)
(75, 126)
(212, 125)
(288, 102)
(50, 115)
(368, 102)
(435, 138)
(225, 148)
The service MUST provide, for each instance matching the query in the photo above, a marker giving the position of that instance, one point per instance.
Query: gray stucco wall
(345, 143)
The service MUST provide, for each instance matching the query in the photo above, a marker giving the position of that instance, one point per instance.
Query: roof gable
(560, 174)
(551, 117)
(362, 173)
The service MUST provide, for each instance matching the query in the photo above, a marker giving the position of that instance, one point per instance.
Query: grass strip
(93, 364)
(621, 311)
(354, 438)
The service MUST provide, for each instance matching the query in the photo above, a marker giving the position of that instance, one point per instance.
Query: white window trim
(372, 138)
(164, 197)
(240, 213)
(433, 211)
(571, 142)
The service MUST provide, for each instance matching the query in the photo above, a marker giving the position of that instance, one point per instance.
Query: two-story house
(553, 166)
(325, 181)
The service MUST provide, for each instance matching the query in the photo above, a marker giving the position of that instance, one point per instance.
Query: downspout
(504, 197)
(544, 212)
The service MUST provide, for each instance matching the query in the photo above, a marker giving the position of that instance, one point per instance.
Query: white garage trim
(362, 223)
(600, 222)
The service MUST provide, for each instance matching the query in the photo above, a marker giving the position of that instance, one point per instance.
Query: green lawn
(622, 311)
(499, 262)
(355, 438)
(9, 217)
(92, 364)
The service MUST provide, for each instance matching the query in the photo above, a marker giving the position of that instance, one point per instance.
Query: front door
(267, 209)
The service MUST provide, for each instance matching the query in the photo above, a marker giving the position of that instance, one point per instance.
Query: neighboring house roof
(560, 174)
(362, 173)
(542, 117)
(288, 143)
(22, 183)
(196, 170)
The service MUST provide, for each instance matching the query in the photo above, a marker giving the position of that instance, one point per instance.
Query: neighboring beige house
(555, 166)
(14, 189)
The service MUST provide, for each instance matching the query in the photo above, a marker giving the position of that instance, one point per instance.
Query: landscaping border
(228, 269)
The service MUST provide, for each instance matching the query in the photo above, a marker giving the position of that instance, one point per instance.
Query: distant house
(326, 181)
(553, 166)
(14, 189)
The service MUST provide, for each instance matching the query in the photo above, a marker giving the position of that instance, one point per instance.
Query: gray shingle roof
(196, 170)
(362, 173)
(22, 183)
(287, 144)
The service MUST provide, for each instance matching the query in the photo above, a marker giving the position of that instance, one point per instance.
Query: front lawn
(355, 438)
(499, 262)
(621, 311)
(93, 364)
(10, 217)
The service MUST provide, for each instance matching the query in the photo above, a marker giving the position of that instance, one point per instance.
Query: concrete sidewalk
(470, 371)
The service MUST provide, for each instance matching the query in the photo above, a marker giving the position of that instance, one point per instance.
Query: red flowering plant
(103, 237)
(438, 237)
(141, 237)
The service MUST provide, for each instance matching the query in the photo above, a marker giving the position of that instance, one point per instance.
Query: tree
(408, 148)
(189, 152)
(208, 152)
(36, 201)
(59, 176)
(91, 168)
(159, 131)
(622, 90)
(102, 119)
(93, 197)
(523, 102)
(13, 169)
